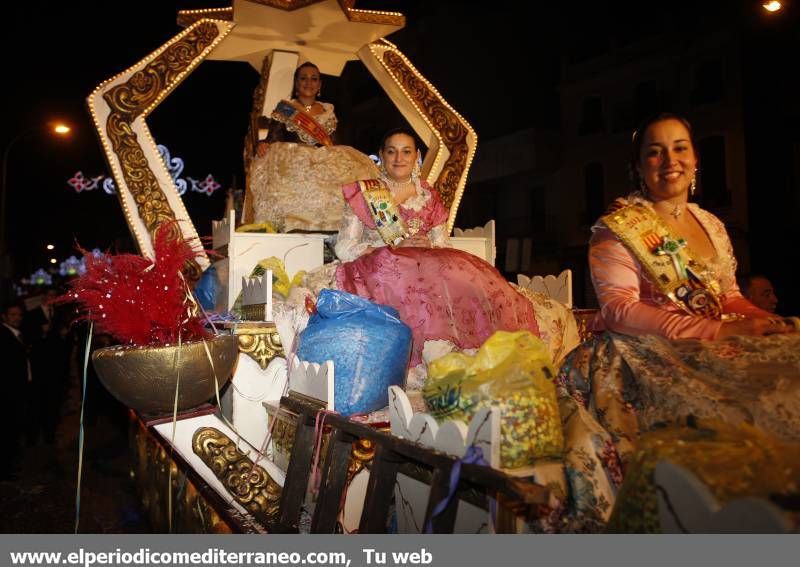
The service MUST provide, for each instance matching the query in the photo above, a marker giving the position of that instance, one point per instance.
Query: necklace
(308, 107)
(395, 185)
(676, 212)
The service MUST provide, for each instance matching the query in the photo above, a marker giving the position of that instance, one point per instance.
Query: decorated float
(233, 431)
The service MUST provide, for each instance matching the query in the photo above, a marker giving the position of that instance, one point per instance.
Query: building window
(592, 117)
(713, 187)
(595, 193)
(708, 84)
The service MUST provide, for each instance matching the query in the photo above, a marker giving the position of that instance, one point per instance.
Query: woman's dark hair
(401, 130)
(297, 74)
(638, 136)
(306, 64)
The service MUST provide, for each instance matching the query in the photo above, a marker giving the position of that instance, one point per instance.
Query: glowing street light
(53, 261)
(50, 247)
(772, 6)
(58, 128)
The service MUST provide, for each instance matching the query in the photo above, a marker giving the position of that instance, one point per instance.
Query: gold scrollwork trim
(250, 485)
(262, 344)
(449, 127)
(360, 456)
(133, 98)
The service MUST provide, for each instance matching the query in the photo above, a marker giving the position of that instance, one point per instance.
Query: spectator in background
(14, 353)
(45, 329)
(758, 289)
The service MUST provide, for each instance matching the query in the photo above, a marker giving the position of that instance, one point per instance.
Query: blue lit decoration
(40, 277)
(174, 165)
(72, 266)
(96, 252)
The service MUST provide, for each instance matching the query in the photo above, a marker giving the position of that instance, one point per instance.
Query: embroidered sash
(384, 211)
(668, 262)
(287, 111)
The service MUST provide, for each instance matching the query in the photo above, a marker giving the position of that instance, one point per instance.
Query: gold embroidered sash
(668, 262)
(384, 211)
(287, 111)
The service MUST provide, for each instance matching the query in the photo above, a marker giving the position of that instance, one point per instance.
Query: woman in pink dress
(441, 293)
(678, 338)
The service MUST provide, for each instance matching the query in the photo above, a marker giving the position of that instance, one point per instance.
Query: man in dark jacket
(16, 377)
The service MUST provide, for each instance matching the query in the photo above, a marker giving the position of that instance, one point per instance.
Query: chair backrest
(685, 505)
(556, 287)
(479, 241)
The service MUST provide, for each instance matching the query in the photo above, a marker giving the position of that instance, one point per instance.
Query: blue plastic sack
(206, 288)
(368, 344)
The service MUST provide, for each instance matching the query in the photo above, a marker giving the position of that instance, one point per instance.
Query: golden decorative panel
(119, 107)
(251, 140)
(261, 343)
(250, 485)
(134, 97)
(150, 471)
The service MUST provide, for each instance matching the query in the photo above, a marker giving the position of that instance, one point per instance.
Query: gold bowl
(144, 378)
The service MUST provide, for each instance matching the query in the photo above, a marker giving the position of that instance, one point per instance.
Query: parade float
(273, 452)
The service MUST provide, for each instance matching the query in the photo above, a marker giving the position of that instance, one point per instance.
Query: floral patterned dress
(441, 293)
(653, 364)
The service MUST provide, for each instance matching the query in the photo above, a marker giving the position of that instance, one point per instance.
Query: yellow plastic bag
(281, 284)
(512, 371)
(280, 279)
(266, 227)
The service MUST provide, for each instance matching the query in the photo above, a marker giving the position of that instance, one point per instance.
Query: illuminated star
(327, 32)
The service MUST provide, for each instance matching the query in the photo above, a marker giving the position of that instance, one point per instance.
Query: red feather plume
(139, 301)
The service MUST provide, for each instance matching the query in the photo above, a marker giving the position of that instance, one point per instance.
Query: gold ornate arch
(119, 107)
(450, 138)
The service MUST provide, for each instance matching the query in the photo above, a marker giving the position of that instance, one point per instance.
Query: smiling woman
(663, 269)
(396, 252)
(295, 177)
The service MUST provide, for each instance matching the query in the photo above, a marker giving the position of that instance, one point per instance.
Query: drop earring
(415, 172)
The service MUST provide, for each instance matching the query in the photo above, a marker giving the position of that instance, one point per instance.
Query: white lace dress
(297, 186)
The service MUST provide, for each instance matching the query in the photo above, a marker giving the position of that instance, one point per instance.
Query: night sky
(497, 63)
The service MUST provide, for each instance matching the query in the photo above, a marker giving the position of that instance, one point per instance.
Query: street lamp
(5, 272)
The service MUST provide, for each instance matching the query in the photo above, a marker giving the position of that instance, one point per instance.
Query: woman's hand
(416, 241)
(261, 149)
(755, 327)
